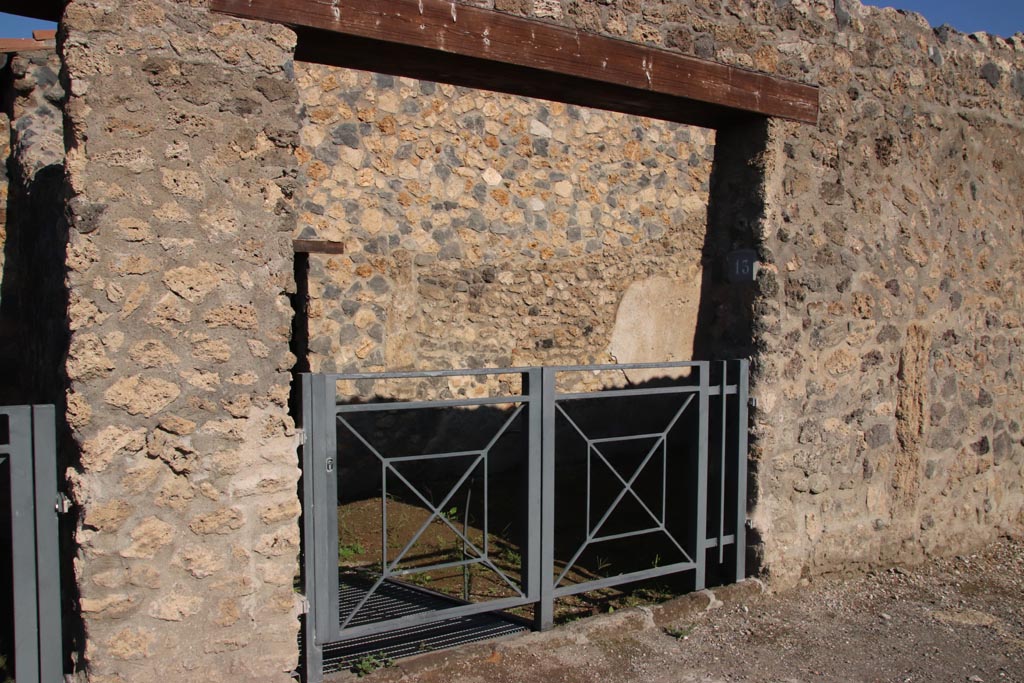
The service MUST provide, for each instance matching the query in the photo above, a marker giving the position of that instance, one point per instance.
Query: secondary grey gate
(28, 463)
(430, 497)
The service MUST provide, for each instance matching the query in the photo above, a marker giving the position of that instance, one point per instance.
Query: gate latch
(330, 464)
(62, 504)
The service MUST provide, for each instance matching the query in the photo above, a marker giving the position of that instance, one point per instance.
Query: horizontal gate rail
(31, 455)
(695, 439)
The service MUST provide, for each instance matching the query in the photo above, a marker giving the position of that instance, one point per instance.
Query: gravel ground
(957, 619)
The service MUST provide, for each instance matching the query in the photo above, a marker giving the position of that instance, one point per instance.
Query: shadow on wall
(34, 323)
(731, 315)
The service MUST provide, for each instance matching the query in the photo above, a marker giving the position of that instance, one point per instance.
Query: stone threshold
(622, 622)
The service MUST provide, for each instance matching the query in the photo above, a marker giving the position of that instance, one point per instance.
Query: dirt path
(960, 619)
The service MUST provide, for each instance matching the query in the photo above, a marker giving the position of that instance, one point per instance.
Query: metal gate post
(546, 607)
(325, 477)
(26, 618)
(32, 454)
(742, 398)
(533, 388)
(313, 664)
(44, 459)
(700, 533)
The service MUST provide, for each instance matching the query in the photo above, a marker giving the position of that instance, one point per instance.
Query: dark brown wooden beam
(400, 60)
(25, 44)
(317, 247)
(48, 10)
(498, 51)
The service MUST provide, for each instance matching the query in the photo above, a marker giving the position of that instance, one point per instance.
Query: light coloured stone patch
(142, 395)
(656, 322)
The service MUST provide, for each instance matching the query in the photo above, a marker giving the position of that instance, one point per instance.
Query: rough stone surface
(480, 229)
(886, 322)
(463, 211)
(181, 170)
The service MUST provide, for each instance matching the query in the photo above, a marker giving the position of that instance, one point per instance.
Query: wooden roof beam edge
(47, 10)
(8, 45)
(442, 26)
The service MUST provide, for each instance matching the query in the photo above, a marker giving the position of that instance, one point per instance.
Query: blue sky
(1002, 17)
(20, 27)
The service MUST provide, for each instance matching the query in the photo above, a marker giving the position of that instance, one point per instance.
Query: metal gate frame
(540, 400)
(31, 452)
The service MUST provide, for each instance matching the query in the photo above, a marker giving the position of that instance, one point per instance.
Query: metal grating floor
(393, 600)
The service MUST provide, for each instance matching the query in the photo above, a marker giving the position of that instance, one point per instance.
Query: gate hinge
(62, 504)
(304, 605)
(330, 464)
(753, 402)
(302, 435)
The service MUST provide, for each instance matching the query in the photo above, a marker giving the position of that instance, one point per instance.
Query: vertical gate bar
(721, 470)
(465, 535)
(742, 398)
(546, 610)
(700, 533)
(23, 551)
(533, 389)
(384, 559)
(313, 666)
(44, 457)
(329, 532)
(664, 483)
(590, 455)
(325, 593)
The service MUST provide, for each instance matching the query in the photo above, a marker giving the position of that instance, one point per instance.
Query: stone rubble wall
(181, 131)
(486, 230)
(888, 324)
(483, 229)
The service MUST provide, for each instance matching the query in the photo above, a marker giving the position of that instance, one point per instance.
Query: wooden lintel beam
(25, 44)
(525, 51)
(317, 247)
(399, 60)
(48, 10)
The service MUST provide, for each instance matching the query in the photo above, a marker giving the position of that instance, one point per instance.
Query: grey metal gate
(28, 454)
(526, 472)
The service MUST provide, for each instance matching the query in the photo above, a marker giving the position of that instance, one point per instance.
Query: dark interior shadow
(603, 528)
(34, 324)
(731, 314)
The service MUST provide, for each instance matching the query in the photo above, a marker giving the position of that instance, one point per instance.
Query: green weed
(370, 663)
(679, 632)
(350, 550)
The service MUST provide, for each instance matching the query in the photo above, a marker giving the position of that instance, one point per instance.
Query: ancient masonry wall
(491, 230)
(180, 161)
(888, 361)
(887, 322)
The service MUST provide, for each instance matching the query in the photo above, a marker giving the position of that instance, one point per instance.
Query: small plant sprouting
(510, 556)
(602, 563)
(349, 550)
(370, 663)
(420, 579)
(679, 632)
